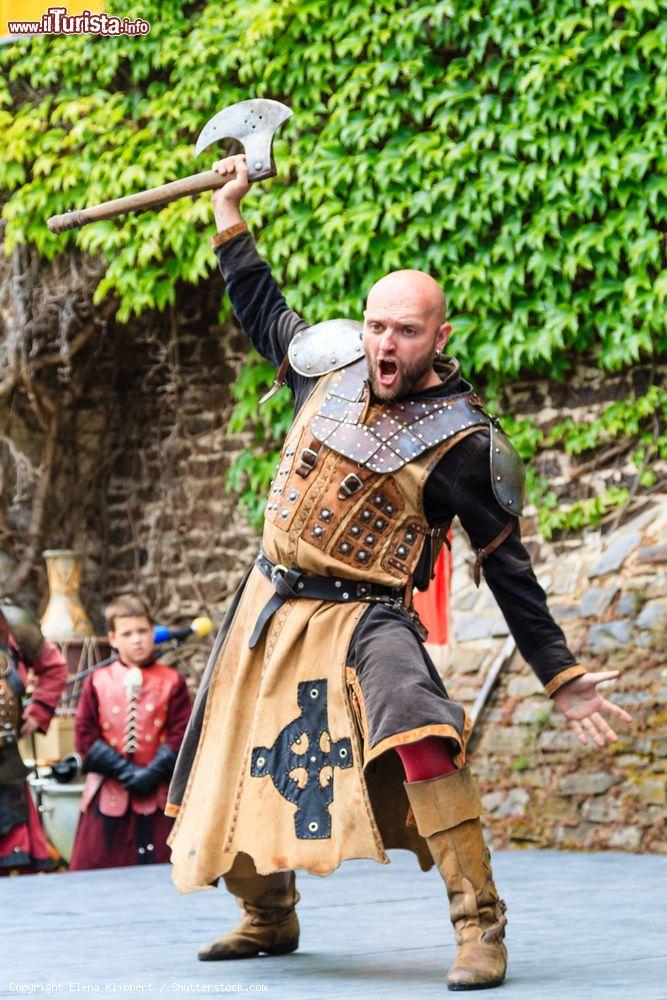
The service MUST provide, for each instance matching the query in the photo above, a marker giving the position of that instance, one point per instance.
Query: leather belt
(292, 583)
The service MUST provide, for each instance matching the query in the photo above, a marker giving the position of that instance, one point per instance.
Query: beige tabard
(282, 770)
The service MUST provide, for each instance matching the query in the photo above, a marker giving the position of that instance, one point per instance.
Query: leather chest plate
(384, 437)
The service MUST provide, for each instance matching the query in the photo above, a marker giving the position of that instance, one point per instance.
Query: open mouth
(387, 371)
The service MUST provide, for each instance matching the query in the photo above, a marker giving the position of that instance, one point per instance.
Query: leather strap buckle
(276, 570)
(349, 486)
(309, 457)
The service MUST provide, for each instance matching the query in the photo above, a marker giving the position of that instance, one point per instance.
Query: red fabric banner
(433, 605)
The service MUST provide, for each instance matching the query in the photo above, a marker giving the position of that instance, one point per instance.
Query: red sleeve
(178, 714)
(50, 670)
(86, 721)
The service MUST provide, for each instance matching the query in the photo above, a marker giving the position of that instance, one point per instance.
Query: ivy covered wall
(513, 149)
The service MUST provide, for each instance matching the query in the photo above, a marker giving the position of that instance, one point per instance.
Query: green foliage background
(514, 149)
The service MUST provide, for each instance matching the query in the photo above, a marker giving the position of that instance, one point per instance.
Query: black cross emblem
(312, 819)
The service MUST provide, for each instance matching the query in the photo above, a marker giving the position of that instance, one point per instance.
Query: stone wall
(142, 460)
(140, 490)
(540, 786)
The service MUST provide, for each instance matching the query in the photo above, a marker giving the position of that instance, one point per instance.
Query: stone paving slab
(582, 927)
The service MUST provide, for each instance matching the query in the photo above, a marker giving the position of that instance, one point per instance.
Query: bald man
(322, 731)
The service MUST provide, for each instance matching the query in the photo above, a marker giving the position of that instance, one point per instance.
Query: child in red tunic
(129, 725)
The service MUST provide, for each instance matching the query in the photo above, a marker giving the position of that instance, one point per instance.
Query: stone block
(566, 576)
(591, 783)
(609, 635)
(653, 554)
(533, 710)
(602, 811)
(596, 600)
(616, 554)
(658, 586)
(651, 790)
(555, 741)
(564, 612)
(628, 838)
(511, 802)
(643, 520)
(503, 740)
(468, 661)
(465, 602)
(629, 604)
(653, 614)
(523, 687)
(468, 627)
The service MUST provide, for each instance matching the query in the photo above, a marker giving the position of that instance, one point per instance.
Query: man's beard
(408, 378)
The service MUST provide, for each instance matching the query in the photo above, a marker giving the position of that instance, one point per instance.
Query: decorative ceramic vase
(65, 617)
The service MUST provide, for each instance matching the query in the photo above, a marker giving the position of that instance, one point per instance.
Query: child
(129, 725)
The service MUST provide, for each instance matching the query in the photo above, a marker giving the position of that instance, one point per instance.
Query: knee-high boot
(447, 811)
(269, 924)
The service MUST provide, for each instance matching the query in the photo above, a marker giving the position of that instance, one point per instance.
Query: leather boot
(447, 811)
(269, 923)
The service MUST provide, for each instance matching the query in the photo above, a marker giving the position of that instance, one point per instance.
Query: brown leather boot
(269, 924)
(447, 811)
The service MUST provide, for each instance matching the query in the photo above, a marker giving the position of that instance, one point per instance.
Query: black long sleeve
(460, 484)
(260, 307)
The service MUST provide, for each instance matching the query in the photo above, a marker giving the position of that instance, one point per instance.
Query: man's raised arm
(257, 301)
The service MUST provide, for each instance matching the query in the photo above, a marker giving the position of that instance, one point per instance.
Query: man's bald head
(404, 328)
(409, 290)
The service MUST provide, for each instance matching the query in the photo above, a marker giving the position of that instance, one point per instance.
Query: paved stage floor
(581, 927)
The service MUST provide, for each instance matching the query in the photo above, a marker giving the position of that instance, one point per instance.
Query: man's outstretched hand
(582, 704)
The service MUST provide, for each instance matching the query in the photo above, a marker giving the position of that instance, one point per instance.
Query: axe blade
(253, 123)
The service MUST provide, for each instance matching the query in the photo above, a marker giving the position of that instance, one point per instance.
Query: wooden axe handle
(208, 180)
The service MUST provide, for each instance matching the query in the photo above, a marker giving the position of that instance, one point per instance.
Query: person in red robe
(128, 728)
(23, 652)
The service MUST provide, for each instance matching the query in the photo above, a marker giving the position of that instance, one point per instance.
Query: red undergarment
(428, 758)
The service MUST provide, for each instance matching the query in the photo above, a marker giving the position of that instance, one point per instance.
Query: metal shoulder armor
(24, 628)
(325, 347)
(507, 472)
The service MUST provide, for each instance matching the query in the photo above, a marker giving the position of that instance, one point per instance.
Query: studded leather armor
(347, 496)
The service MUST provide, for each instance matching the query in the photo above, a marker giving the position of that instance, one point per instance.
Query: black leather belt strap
(292, 583)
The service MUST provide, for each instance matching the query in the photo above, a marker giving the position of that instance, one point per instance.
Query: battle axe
(252, 123)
